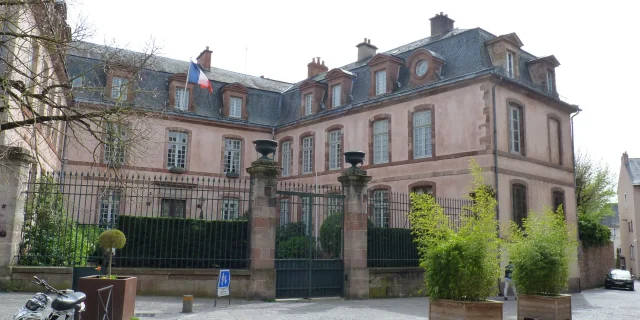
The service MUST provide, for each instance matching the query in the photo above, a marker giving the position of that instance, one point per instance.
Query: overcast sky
(594, 43)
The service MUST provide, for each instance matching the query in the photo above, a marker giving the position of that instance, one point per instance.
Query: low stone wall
(396, 282)
(594, 263)
(170, 282)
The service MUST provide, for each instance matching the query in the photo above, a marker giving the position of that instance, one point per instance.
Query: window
(173, 208)
(632, 252)
(177, 151)
(555, 142)
(307, 211)
(286, 158)
(549, 81)
(381, 82)
(284, 211)
(334, 149)
(114, 145)
(380, 208)
(308, 104)
(119, 88)
(558, 200)
(182, 99)
(232, 155)
(230, 208)
(515, 129)
(422, 134)
(334, 205)
(235, 108)
(381, 141)
(307, 155)
(335, 96)
(510, 72)
(630, 225)
(109, 209)
(423, 190)
(519, 203)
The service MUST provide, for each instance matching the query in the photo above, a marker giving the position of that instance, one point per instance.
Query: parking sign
(224, 279)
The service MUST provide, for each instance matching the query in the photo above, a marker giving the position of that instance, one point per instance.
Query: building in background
(613, 222)
(628, 193)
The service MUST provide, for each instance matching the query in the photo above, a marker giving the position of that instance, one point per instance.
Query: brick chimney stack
(625, 159)
(315, 67)
(204, 59)
(441, 24)
(366, 50)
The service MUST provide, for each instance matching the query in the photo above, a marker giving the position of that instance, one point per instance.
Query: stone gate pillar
(356, 281)
(262, 222)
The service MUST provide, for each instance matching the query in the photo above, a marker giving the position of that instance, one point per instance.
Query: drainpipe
(495, 146)
(573, 152)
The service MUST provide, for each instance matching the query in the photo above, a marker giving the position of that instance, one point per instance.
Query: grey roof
(612, 221)
(633, 168)
(274, 103)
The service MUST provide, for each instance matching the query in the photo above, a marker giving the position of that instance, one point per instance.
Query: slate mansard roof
(633, 169)
(274, 103)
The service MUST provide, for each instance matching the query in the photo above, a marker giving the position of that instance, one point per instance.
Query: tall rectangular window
(549, 81)
(308, 104)
(114, 145)
(177, 150)
(307, 155)
(335, 96)
(173, 208)
(555, 141)
(381, 82)
(307, 213)
(519, 203)
(334, 205)
(558, 200)
(380, 208)
(381, 141)
(510, 70)
(422, 134)
(230, 208)
(182, 99)
(232, 150)
(109, 209)
(334, 149)
(515, 129)
(286, 158)
(235, 110)
(284, 211)
(119, 88)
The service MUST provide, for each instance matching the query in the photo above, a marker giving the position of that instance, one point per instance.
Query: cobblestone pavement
(588, 305)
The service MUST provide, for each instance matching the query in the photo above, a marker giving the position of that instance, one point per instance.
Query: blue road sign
(224, 279)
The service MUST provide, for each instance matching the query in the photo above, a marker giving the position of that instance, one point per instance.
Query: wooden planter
(464, 310)
(544, 307)
(123, 296)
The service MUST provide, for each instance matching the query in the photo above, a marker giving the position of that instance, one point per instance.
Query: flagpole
(186, 82)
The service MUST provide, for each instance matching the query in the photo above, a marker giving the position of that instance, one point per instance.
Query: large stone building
(628, 208)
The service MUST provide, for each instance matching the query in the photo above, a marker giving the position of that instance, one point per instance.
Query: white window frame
(285, 210)
(515, 128)
(510, 64)
(307, 155)
(182, 98)
(549, 81)
(114, 147)
(422, 139)
(381, 141)
(334, 205)
(110, 208)
(334, 149)
(336, 94)
(286, 158)
(230, 208)
(307, 213)
(178, 145)
(117, 86)
(380, 208)
(308, 104)
(381, 82)
(235, 107)
(232, 156)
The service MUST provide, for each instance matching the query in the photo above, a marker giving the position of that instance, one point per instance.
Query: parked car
(620, 279)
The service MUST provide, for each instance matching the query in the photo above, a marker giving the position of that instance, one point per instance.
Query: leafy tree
(109, 240)
(331, 234)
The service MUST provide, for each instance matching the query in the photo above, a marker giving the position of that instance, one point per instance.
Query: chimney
(625, 159)
(441, 24)
(315, 67)
(204, 59)
(366, 50)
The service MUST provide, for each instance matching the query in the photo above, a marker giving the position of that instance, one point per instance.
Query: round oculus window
(422, 67)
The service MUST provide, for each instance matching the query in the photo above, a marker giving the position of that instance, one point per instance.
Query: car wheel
(632, 288)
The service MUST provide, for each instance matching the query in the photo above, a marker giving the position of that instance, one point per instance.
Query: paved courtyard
(590, 304)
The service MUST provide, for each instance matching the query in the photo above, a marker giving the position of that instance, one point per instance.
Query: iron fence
(389, 239)
(169, 221)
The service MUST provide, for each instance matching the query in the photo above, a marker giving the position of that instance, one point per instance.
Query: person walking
(508, 271)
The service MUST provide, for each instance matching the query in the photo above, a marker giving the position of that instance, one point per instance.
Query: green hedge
(183, 243)
(391, 247)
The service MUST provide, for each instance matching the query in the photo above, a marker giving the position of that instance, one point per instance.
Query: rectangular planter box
(464, 310)
(123, 296)
(544, 307)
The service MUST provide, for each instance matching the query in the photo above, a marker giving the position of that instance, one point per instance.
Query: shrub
(109, 240)
(331, 234)
(294, 248)
(541, 252)
(462, 265)
(592, 232)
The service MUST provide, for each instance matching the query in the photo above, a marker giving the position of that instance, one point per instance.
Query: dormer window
(549, 81)
(384, 70)
(381, 82)
(182, 99)
(543, 75)
(119, 87)
(308, 104)
(336, 95)
(234, 100)
(424, 66)
(235, 110)
(341, 82)
(510, 69)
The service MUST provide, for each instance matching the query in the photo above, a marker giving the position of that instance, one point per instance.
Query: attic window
(549, 81)
(119, 88)
(510, 68)
(335, 95)
(234, 97)
(236, 107)
(308, 104)
(381, 82)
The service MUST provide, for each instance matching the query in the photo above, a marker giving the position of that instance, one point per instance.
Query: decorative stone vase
(354, 158)
(265, 147)
(468, 310)
(123, 296)
(544, 307)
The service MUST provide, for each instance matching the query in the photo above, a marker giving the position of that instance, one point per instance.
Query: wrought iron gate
(309, 242)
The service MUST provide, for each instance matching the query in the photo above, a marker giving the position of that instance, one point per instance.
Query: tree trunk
(110, 255)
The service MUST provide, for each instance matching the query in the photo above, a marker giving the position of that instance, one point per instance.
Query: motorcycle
(64, 306)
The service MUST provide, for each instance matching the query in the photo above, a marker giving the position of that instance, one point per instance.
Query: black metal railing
(169, 221)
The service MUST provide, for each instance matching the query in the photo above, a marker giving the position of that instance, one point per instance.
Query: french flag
(197, 76)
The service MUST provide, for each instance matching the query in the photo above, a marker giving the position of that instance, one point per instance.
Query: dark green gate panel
(295, 279)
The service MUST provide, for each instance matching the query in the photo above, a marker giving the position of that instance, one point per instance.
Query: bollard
(187, 304)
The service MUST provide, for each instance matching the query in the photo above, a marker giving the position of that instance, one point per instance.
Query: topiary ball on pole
(109, 240)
